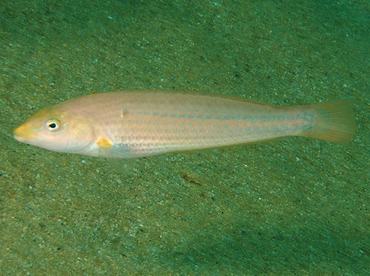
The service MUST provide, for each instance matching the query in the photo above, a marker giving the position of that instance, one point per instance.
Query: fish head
(56, 130)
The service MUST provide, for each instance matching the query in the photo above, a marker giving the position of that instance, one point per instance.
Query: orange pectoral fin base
(104, 143)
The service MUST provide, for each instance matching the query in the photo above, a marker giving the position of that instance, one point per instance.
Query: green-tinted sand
(292, 207)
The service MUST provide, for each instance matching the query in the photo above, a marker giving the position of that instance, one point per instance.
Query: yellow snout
(23, 133)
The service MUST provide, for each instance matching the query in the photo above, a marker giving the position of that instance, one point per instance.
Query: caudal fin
(336, 122)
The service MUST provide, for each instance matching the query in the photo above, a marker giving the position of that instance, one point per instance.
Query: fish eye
(52, 125)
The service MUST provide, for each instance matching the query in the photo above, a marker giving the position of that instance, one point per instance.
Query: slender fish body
(133, 124)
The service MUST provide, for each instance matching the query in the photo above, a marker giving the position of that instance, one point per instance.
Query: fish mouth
(22, 133)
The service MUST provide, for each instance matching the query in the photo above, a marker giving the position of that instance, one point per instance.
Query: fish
(133, 124)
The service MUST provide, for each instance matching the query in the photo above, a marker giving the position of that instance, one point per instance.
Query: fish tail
(336, 121)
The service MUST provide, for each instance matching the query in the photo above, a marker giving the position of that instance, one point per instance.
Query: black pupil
(53, 125)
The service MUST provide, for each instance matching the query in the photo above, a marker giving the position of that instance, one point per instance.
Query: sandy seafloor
(297, 206)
